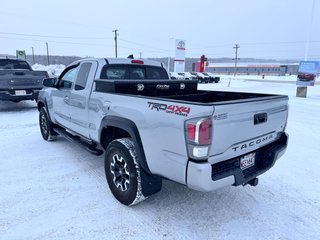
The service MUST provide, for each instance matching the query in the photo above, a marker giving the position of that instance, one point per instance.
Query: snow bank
(53, 69)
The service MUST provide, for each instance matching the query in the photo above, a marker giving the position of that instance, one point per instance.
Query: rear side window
(117, 72)
(13, 64)
(82, 76)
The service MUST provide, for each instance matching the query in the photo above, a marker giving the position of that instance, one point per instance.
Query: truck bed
(178, 90)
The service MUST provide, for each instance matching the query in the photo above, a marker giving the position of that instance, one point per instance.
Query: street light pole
(303, 90)
(306, 53)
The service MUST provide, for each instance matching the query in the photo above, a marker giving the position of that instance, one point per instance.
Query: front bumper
(9, 95)
(206, 177)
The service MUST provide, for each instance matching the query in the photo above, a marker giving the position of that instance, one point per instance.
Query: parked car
(152, 129)
(174, 75)
(201, 77)
(188, 76)
(212, 77)
(18, 81)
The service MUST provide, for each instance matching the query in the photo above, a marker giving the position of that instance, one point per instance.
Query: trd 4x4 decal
(174, 109)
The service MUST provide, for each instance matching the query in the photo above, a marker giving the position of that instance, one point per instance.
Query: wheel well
(40, 105)
(111, 133)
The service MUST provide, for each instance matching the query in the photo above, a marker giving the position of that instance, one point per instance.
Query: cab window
(68, 78)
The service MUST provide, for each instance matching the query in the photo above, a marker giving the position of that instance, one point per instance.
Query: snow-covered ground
(56, 190)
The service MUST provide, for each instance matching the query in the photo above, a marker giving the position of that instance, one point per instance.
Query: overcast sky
(276, 29)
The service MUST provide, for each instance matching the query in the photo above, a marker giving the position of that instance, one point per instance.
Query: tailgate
(21, 79)
(242, 127)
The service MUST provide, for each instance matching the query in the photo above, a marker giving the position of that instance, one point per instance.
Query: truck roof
(13, 59)
(122, 61)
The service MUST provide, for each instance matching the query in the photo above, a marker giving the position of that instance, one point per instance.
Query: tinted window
(137, 73)
(117, 72)
(82, 76)
(13, 64)
(156, 73)
(68, 78)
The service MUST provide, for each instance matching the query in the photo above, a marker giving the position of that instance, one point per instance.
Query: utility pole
(48, 53)
(33, 55)
(116, 40)
(236, 59)
(169, 53)
(236, 46)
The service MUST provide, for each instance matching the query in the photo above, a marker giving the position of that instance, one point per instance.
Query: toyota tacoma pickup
(151, 128)
(18, 81)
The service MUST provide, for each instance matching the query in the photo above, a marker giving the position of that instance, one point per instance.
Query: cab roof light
(135, 61)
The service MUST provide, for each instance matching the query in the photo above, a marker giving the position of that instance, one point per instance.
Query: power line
(53, 36)
(78, 43)
(72, 43)
(143, 45)
(253, 43)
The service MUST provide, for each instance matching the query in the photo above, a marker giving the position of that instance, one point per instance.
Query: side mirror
(49, 82)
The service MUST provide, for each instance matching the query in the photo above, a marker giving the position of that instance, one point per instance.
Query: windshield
(11, 64)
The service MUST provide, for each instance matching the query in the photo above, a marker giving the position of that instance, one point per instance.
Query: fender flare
(44, 102)
(130, 127)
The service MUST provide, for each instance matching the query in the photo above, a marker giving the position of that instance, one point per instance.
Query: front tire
(46, 127)
(123, 172)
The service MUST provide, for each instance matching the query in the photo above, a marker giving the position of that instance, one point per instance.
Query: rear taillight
(199, 131)
(198, 134)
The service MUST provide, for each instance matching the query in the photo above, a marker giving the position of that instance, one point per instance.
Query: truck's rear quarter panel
(161, 131)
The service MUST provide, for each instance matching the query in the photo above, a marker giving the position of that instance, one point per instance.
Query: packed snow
(56, 190)
(52, 69)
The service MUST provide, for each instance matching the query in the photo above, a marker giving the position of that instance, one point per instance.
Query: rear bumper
(9, 95)
(206, 177)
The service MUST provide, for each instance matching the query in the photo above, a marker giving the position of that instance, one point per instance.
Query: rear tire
(46, 126)
(123, 172)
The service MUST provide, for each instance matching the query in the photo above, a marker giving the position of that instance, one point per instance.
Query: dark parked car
(18, 81)
(212, 77)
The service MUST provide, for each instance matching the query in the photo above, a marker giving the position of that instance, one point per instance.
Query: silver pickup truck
(150, 127)
(18, 81)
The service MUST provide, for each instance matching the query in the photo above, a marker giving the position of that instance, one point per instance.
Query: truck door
(60, 98)
(78, 102)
